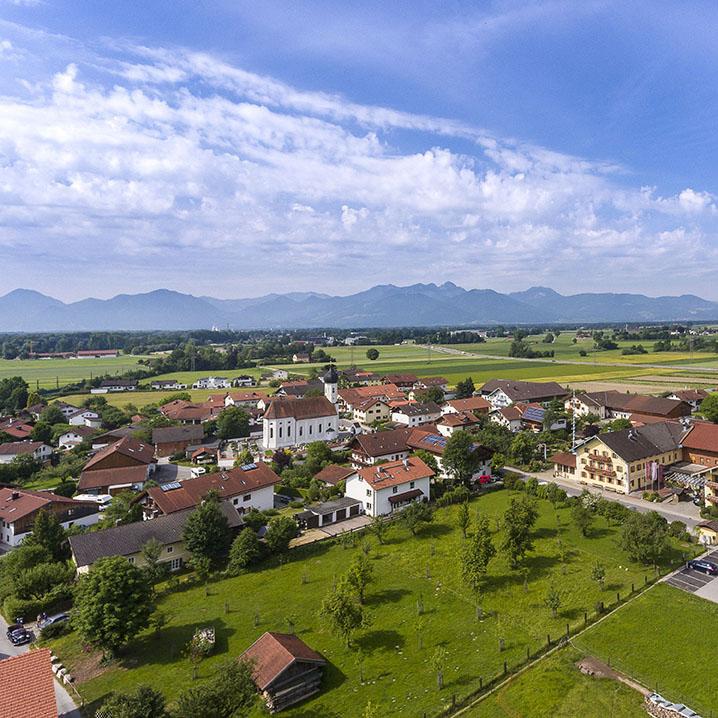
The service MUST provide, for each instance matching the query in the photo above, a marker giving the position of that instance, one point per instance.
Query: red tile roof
(273, 653)
(473, 403)
(104, 478)
(227, 483)
(461, 418)
(563, 458)
(308, 408)
(333, 474)
(19, 447)
(394, 473)
(27, 686)
(134, 451)
(355, 395)
(702, 436)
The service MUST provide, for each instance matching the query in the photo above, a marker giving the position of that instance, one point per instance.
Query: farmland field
(398, 642)
(666, 640)
(50, 373)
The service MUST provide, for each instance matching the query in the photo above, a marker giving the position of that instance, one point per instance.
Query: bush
(52, 602)
(55, 630)
(513, 482)
(454, 496)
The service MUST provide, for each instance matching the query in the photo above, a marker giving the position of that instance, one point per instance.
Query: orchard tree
(145, 702)
(463, 519)
(438, 661)
(280, 531)
(553, 600)
(154, 569)
(582, 517)
(343, 612)
(415, 515)
(379, 528)
(519, 519)
(113, 603)
(476, 555)
(644, 537)
(245, 551)
(206, 531)
(598, 573)
(360, 575)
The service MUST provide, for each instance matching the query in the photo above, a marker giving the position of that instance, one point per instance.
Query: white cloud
(181, 153)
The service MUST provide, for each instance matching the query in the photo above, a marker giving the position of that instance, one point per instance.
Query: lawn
(53, 373)
(555, 688)
(666, 639)
(407, 570)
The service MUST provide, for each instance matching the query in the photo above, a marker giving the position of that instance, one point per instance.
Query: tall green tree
(709, 407)
(113, 603)
(233, 423)
(245, 551)
(644, 537)
(360, 575)
(379, 528)
(416, 515)
(123, 509)
(519, 519)
(476, 555)
(465, 388)
(47, 531)
(372, 354)
(463, 519)
(582, 516)
(523, 447)
(145, 702)
(343, 612)
(154, 569)
(459, 457)
(206, 531)
(280, 531)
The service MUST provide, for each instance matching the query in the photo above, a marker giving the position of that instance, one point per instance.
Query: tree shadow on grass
(597, 532)
(433, 531)
(388, 595)
(385, 640)
(538, 566)
(544, 533)
(169, 646)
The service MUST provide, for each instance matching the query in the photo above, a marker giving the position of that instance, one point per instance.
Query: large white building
(292, 422)
(387, 488)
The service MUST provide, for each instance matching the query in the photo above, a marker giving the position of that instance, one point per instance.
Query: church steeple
(331, 384)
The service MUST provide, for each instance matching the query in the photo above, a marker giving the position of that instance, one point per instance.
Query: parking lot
(697, 582)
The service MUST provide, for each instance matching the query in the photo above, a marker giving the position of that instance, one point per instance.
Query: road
(576, 362)
(66, 707)
(686, 512)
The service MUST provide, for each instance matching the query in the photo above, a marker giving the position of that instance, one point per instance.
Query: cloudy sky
(239, 148)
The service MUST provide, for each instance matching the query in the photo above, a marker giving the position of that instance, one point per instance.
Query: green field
(666, 639)
(51, 373)
(555, 688)
(407, 569)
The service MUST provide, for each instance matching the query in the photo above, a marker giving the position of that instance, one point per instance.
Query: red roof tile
(394, 473)
(27, 686)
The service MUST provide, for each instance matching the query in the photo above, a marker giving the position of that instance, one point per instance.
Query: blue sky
(236, 149)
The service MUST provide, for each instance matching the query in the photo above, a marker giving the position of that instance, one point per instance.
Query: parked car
(704, 566)
(50, 620)
(18, 635)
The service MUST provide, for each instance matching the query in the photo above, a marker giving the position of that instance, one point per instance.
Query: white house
(85, 417)
(67, 409)
(416, 414)
(36, 449)
(73, 437)
(243, 380)
(292, 422)
(114, 385)
(387, 488)
(168, 384)
(508, 416)
(212, 382)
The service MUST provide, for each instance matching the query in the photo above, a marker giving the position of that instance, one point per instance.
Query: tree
(463, 520)
(145, 702)
(206, 531)
(113, 603)
(476, 555)
(230, 693)
(41, 432)
(154, 569)
(617, 425)
(34, 582)
(52, 415)
(47, 531)
(582, 517)
(523, 447)
(465, 388)
(372, 354)
(459, 457)
(709, 407)
(343, 612)
(518, 521)
(438, 661)
(429, 459)
(360, 575)
(415, 515)
(280, 531)
(644, 537)
(379, 527)
(553, 600)
(498, 461)
(245, 551)
(598, 573)
(122, 510)
(233, 423)
(244, 457)
(319, 454)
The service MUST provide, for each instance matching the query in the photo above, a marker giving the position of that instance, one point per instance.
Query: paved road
(686, 512)
(544, 360)
(66, 707)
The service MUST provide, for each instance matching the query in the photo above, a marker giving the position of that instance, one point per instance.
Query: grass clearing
(666, 640)
(407, 570)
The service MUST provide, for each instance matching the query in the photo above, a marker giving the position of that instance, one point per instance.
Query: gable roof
(636, 403)
(690, 394)
(172, 434)
(308, 408)
(333, 474)
(27, 686)
(18, 503)
(459, 418)
(382, 443)
(118, 476)
(702, 436)
(524, 390)
(643, 441)
(127, 447)
(272, 653)
(394, 473)
(472, 403)
(563, 458)
(418, 409)
(357, 394)
(130, 538)
(13, 448)
(178, 496)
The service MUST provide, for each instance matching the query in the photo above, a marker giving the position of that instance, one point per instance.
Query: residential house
(299, 388)
(19, 509)
(370, 449)
(301, 358)
(168, 385)
(434, 443)
(75, 436)
(67, 409)
(113, 435)
(243, 380)
(170, 440)
(353, 396)
(354, 376)
(212, 382)
(416, 413)
(620, 405)
(508, 416)
(504, 392)
(39, 451)
(403, 381)
(708, 533)
(371, 410)
(431, 382)
(15, 429)
(245, 399)
(564, 465)
(389, 487)
(97, 353)
(129, 539)
(700, 444)
(187, 412)
(457, 421)
(631, 459)
(244, 487)
(27, 686)
(692, 397)
(477, 405)
(281, 374)
(125, 464)
(285, 670)
(114, 385)
(85, 417)
(332, 474)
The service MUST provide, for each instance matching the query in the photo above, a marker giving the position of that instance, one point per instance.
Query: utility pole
(573, 420)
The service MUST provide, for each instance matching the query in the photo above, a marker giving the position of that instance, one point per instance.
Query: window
(235, 501)
(175, 564)
(280, 431)
(247, 497)
(170, 549)
(368, 506)
(130, 559)
(394, 489)
(368, 492)
(271, 432)
(320, 428)
(411, 484)
(301, 430)
(310, 428)
(289, 429)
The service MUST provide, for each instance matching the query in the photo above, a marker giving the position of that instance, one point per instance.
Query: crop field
(664, 639)
(409, 572)
(51, 373)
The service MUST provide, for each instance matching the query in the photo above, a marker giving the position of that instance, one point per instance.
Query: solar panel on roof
(248, 467)
(170, 486)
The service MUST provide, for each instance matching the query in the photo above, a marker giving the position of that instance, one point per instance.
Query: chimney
(406, 464)
(14, 496)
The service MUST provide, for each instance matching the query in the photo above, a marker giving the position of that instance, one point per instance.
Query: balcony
(610, 473)
(600, 459)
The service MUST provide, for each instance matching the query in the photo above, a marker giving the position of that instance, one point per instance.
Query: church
(292, 422)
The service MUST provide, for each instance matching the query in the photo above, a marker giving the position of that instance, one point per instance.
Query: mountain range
(24, 310)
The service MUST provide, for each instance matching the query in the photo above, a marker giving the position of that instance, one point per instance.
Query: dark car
(50, 620)
(18, 635)
(704, 566)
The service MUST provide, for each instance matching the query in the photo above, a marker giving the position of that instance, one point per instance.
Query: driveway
(696, 582)
(66, 706)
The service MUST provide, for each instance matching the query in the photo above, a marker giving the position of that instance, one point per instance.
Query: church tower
(331, 384)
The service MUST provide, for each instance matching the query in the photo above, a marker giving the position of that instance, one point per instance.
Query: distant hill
(385, 305)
